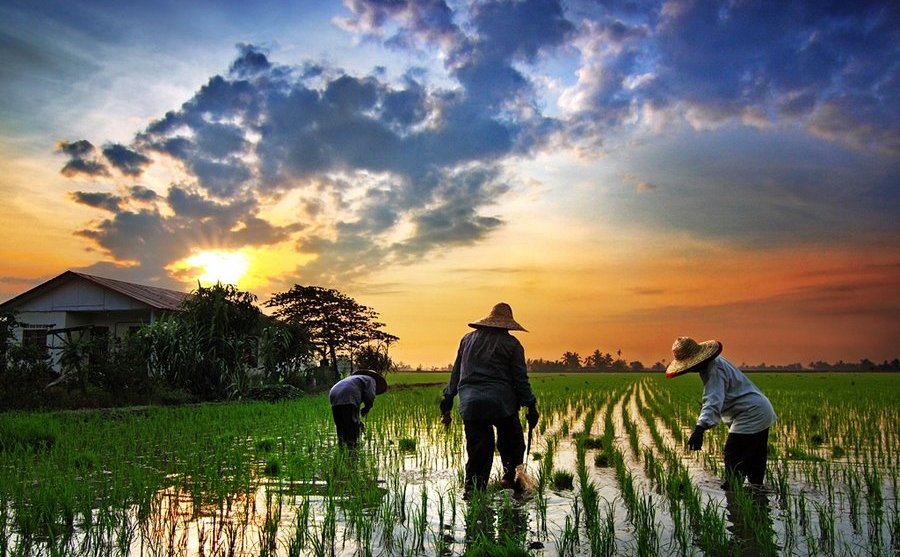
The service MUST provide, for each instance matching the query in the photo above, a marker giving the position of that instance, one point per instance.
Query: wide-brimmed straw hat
(501, 317)
(688, 353)
(380, 382)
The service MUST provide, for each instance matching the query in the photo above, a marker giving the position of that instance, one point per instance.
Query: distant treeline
(600, 362)
(572, 362)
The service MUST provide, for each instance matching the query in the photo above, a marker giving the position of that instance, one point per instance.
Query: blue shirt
(489, 375)
(729, 396)
(354, 390)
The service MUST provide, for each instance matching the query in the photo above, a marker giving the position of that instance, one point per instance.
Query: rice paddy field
(608, 457)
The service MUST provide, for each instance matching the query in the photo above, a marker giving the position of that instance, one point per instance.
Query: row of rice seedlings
(684, 500)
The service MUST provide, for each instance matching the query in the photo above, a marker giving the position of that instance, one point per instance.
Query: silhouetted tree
(571, 360)
(335, 322)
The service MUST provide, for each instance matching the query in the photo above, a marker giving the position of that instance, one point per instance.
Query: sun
(227, 267)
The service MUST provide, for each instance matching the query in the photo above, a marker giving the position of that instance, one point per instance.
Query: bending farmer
(490, 377)
(729, 396)
(347, 395)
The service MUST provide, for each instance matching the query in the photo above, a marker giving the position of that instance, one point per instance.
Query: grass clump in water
(273, 467)
(486, 547)
(562, 480)
(406, 444)
(265, 445)
(794, 453)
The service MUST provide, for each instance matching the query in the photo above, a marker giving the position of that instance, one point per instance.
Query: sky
(620, 172)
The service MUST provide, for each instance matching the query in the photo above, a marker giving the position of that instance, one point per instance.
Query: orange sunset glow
(619, 180)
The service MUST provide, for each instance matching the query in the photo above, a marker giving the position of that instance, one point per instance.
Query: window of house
(36, 338)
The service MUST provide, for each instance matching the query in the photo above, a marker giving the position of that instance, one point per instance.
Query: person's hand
(365, 410)
(695, 442)
(446, 419)
(446, 404)
(532, 416)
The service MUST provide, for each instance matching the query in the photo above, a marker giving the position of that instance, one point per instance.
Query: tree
(636, 365)
(334, 321)
(571, 360)
(219, 332)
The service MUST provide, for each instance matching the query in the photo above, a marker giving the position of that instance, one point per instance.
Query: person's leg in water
(346, 421)
(511, 445)
(480, 448)
(745, 457)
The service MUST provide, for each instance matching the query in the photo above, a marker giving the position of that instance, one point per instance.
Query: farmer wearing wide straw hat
(347, 396)
(729, 396)
(490, 377)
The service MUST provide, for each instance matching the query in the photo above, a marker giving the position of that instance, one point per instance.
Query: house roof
(155, 297)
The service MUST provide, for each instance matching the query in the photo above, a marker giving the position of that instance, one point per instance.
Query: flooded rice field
(612, 477)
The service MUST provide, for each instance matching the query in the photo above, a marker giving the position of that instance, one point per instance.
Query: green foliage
(562, 480)
(28, 433)
(335, 322)
(406, 444)
(24, 372)
(274, 392)
(374, 358)
(486, 547)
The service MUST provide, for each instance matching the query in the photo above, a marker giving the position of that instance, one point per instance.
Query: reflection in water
(495, 519)
(747, 510)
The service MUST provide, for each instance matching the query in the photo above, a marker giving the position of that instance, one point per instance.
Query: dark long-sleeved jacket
(490, 375)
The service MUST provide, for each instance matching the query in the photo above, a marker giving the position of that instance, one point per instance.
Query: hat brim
(508, 324)
(380, 382)
(708, 350)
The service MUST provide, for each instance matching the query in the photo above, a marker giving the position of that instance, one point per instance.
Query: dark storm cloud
(140, 193)
(82, 166)
(369, 154)
(82, 159)
(830, 67)
(106, 201)
(129, 162)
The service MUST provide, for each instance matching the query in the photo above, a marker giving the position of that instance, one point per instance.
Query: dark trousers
(480, 446)
(745, 457)
(346, 420)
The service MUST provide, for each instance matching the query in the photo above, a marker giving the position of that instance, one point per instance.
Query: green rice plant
(562, 480)
(825, 515)
(486, 547)
(406, 444)
(713, 534)
(273, 467)
(566, 544)
(645, 526)
(265, 445)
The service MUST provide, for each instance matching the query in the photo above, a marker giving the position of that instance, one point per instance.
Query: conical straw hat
(501, 317)
(380, 382)
(687, 353)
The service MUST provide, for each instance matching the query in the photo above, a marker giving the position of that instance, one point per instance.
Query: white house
(75, 303)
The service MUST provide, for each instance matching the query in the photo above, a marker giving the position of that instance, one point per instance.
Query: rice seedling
(228, 479)
(562, 480)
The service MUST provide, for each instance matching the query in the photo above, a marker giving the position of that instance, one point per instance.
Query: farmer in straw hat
(490, 377)
(729, 396)
(347, 395)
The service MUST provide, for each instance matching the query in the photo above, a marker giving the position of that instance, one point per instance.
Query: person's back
(487, 368)
(739, 402)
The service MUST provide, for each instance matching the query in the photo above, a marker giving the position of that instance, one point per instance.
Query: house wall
(79, 303)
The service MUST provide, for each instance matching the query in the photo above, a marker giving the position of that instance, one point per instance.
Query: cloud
(82, 159)
(106, 201)
(640, 186)
(386, 169)
(129, 162)
(712, 64)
